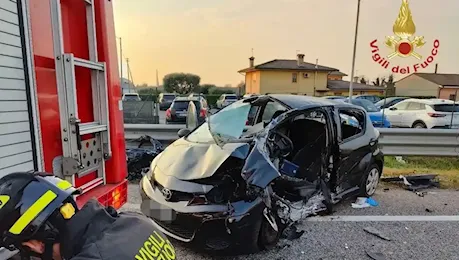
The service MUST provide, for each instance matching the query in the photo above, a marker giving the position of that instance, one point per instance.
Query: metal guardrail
(421, 142)
(165, 133)
(392, 141)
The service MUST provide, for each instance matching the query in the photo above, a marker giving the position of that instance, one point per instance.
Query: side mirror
(183, 132)
(393, 108)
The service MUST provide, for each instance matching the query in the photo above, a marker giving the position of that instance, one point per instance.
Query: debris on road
(415, 183)
(400, 159)
(139, 158)
(291, 233)
(376, 232)
(386, 189)
(363, 202)
(428, 210)
(376, 255)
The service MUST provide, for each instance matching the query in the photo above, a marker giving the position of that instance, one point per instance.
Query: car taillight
(202, 113)
(436, 115)
(168, 113)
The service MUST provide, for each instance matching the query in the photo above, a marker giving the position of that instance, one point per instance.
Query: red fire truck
(60, 95)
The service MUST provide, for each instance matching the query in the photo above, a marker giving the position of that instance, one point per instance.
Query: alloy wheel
(372, 181)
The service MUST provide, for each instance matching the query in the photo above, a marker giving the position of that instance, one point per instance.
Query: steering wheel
(281, 142)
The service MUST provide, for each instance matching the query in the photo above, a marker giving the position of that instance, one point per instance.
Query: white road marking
(383, 218)
(351, 218)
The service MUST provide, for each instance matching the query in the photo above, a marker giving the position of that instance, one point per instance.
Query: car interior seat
(309, 139)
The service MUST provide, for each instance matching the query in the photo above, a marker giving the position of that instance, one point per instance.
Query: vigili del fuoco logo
(404, 43)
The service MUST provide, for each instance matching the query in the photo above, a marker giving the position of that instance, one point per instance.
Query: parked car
(377, 116)
(225, 100)
(165, 100)
(177, 113)
(235, 184)
(374, 99)
(334, 97)
(249, 95)
(202, 99)
(131, 97)
(424, 113)
(388, 102)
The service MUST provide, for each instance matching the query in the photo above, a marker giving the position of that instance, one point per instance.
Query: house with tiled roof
(444, 86)
(296, 76)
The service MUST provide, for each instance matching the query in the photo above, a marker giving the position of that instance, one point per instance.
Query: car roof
(299, 101)
(168, 94)
(186, 99)
(433, 101)
(365, 95)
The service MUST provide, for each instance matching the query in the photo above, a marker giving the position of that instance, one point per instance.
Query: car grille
(183, 226)
(176, 195)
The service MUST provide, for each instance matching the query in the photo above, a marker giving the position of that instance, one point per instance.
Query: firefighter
(40, 218)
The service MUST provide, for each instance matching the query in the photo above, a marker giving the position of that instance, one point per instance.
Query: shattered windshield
(226, 125)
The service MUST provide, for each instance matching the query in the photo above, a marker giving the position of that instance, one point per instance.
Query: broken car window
(352, 123)
(226, 125)
(270, 109)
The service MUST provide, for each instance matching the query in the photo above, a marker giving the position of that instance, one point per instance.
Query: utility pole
(314, 82)
(158, 82)
(354, 53)
(121, 65)
(129, 81)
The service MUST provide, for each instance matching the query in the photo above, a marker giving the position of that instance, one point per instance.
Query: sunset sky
(214, 38)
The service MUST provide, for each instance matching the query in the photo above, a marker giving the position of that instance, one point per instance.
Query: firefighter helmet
(33, 206)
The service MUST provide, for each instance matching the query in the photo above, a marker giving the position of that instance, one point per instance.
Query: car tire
(370, 181)
(260, 236)
(419, 125)
(268, 238)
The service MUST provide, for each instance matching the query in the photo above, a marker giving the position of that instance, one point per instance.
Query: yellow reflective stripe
(64, 185)
(32, 212)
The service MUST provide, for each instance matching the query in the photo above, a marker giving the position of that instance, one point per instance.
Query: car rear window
(169, 97)
(445, 108)
(183, 105)
(131, 97)
(230, 97)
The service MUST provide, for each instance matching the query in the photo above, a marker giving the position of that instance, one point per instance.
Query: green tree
(241, 88)
(222, 90)
(147, 91)
(205, 88)
(181, 83)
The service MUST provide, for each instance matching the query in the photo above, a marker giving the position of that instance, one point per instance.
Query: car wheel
(371, 181)
(268, 237)
(419, 125)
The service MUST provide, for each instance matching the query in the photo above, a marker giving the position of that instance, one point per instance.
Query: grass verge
(446, 168)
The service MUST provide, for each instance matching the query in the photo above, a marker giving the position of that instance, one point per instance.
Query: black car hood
(185, 160)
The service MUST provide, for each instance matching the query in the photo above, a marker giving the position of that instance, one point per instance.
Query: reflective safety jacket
(96, 232)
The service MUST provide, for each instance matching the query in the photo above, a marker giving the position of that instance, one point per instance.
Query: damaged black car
(257, 167)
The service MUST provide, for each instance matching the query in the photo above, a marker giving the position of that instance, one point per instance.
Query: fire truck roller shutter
(17, 141)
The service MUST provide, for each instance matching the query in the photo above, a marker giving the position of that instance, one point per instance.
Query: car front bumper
(207, 224)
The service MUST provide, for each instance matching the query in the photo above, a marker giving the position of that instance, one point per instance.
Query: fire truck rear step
(82, 154)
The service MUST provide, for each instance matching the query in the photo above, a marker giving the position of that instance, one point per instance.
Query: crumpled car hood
(185, 160)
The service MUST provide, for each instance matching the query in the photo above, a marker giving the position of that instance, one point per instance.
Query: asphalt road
(341, 235)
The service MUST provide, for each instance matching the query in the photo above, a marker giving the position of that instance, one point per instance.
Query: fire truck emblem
(403, 42)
